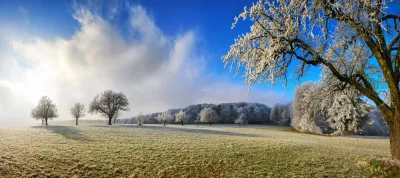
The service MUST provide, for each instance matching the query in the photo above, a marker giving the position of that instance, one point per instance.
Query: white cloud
(155, 71)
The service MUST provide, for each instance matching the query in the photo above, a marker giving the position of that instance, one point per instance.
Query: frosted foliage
(282, 27)
(208, 115)
(358, 41)
(345, 113)
(45, 109)
(320, 107)
(304, 112)
(109, 103)
(242, 119)
(281, 114)
(180, 117)
(164, 117)
(139, 119)
(78, 110)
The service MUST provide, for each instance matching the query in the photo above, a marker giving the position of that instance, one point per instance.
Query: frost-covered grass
(176, 151)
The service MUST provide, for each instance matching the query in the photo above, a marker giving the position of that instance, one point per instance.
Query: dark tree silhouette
(108, 104)
(45, 110)
(78, 111)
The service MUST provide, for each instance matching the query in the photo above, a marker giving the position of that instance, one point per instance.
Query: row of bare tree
(108, 104)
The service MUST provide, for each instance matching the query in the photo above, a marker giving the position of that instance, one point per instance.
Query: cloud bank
(155, 71)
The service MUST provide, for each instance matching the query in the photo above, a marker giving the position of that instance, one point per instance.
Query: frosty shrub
(180, 117)
(208, 115)
(242, 119)
(164, 117)
(281, 114)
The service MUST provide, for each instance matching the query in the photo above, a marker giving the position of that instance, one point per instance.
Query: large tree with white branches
(356, 40)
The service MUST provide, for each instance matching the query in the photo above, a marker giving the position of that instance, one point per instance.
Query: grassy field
(176, 151)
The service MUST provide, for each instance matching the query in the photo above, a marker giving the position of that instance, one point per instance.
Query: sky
(161, 55)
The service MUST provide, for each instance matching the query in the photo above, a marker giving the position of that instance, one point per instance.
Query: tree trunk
(210, 123)
(76, 121)
(182, 123)
(114, 120)
(395, 138)
(46, 121)
(244, 123)
(164, 123)
(109, 121)
(42, 122)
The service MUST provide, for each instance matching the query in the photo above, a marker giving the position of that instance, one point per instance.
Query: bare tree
(357, 40)
(45, 110)
(78, 111)
(108, 104)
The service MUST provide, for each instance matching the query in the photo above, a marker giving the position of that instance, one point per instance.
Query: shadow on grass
(68, 132)
(367, 137)
(187, 130)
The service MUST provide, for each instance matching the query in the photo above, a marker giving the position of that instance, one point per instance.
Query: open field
(176, 151)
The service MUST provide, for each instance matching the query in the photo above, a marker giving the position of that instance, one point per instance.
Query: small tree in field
(358, 41)
(139, 119)
(116, 115)
(45, 110)
(208, 115)
(164, 117)
(180, 117)
(108, 104)
(78, 111)
(242, 119)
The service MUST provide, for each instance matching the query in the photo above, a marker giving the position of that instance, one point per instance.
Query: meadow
(181, 151)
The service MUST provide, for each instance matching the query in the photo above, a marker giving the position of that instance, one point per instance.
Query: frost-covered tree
(347, 110)
(304, 115)
(164, 117)
(241, 120)
(275, 112)
(357, 40)
(45, 110)
(342, 106)
(318, 108)
(251, 113)
(180, 117)
(139, 119)
(78, 111)
(280, 114)
(229, 114)
(208, 115)
(108, 104)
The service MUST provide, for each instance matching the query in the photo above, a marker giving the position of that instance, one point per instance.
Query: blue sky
(161, 54)
(210, 19)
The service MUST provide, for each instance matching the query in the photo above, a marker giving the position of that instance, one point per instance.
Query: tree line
(240, 113)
